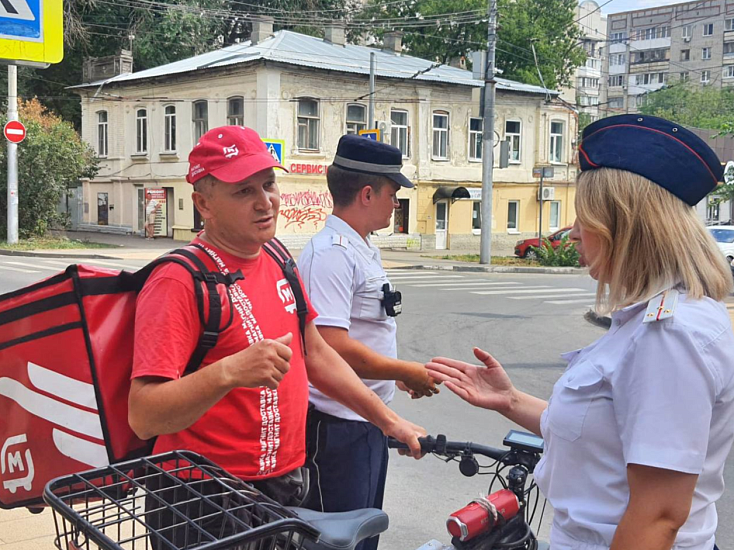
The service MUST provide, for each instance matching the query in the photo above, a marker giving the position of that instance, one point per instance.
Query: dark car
(524, 248)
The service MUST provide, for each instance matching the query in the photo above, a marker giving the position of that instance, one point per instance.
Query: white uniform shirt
(343, 276)
(659, 394)
(150, 208)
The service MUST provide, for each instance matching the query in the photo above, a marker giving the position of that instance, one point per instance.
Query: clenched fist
(262, 364)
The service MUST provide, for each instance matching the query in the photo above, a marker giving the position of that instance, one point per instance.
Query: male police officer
(343, 274)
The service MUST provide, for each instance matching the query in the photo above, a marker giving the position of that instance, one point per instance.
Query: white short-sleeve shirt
(658, 394)
(343, 276)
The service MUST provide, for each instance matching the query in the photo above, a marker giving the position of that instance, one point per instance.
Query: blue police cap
(657, 149)
(360, 154)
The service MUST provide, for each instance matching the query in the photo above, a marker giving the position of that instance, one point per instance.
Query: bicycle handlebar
(440, 446)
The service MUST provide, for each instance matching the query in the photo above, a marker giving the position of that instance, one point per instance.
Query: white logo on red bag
(230, 152)
(11, 460)
(286, 296)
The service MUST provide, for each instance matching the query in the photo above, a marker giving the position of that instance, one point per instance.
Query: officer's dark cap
(360, 154)
(662, 151)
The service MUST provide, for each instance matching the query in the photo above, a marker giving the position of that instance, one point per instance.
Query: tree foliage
(546, 24)
(50, 160)
(691, 105)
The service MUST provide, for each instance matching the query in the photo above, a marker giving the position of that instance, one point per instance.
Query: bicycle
(182, 501)
(501, 520)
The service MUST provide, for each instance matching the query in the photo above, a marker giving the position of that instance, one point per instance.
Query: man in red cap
(245, 407)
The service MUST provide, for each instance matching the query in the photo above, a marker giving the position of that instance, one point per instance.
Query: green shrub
(564, 255)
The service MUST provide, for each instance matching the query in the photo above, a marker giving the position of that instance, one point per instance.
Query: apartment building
(690, 41)
(301, 93)
(593, 24)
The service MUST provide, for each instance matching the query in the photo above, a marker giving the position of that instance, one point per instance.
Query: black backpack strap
(200, 274)
(277, 250)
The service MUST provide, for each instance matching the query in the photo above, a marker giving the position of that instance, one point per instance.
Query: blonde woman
(639, 426)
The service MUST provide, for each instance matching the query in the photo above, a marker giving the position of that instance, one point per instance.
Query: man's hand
(418, 382)
(408, 433)
(261, 364)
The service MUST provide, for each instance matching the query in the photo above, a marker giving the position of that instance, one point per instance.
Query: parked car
(724, 237)
(524, 248)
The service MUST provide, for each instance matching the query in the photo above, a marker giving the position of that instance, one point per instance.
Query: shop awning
(450, 192)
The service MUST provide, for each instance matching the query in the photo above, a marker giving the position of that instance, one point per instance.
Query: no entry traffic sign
(14, 131)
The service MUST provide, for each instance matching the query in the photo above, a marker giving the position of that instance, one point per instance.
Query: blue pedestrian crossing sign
(32, 31)
(276, 147)
(374, 135)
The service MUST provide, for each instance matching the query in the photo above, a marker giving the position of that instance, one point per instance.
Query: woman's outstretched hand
(485, 386)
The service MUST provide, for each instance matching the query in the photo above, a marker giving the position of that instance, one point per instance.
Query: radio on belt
(392, 301)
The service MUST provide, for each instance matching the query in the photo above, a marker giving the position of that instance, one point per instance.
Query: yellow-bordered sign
(32, 31)
(374, 135)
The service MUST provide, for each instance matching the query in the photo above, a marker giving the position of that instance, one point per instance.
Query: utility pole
(12, 157)
(372, 92)
(485, 252)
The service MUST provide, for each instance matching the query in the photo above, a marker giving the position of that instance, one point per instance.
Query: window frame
(554, 139)
(708, 26)
(514, 229)
(729, 24)
(141, 131)
(687, 31)
(169, 129)
(103, 133)
(728, 71)
(478, 206)
(443, 134)
(235, 119)
(517, 134)
(308, 122)
(706, 50)
(687, 56)
(706, 73)
(355, 123)
(556, 227)
(394, 126)
(199, 123)
(475, 141)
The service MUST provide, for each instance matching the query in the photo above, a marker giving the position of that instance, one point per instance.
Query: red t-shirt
(254, 433)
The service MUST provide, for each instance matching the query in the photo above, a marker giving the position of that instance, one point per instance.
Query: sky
(616, 6)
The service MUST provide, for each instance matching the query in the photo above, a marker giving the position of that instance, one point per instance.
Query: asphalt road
(525, 321)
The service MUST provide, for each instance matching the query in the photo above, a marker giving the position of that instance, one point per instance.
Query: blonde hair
(650, 241)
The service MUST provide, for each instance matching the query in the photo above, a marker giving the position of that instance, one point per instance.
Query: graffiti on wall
(305, 208)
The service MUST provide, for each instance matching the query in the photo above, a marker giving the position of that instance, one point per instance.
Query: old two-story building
(301, 94)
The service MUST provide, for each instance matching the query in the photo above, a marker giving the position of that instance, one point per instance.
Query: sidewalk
(131, 247)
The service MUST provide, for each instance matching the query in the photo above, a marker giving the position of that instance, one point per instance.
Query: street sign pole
(540, 220)
(12, 236)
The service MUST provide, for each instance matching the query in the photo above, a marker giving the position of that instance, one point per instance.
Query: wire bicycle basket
(172, 501)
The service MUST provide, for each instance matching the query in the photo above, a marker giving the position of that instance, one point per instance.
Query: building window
(708, 29)
(618, 37)
(513, 131)
(141, 131)
(616, 59)
(728, 48)
(102, 133)
(685, 55)
(513, 208)
(729, 24)
(200, 119)
(236, 111)
(170, 128)
(617, 80)
(475, 138)
(476, 216)
(308, 124)
(705, 77)
(440, 135)
(685, 77)
(356, 118)
(616, 102)
(555, 215)
(705, 53)
(729, 71)
(556, 141)
(687, 31)
(400, 131)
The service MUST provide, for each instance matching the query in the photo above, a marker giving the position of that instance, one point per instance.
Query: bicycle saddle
(343, 530)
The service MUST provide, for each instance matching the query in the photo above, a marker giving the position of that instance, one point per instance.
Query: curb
(499, 269)
(32, 254)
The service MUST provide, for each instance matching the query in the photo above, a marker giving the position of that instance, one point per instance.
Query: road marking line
(551, 296)
(105, 263)
(18, 269)
(466, 283)
(424, 278)
(57, 262)
(34, 266)
(540, 290)
(560, 302)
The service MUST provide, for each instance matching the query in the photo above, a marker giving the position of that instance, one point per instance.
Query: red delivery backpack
(66, 356)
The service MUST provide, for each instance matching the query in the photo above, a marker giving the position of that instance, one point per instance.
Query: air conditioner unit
(384, 127)
(549, 193)
(686, 39)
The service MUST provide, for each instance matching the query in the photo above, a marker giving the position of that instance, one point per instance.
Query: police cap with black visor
(367, 156)
(674, 158)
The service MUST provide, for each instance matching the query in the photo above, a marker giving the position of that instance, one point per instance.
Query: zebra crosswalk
(502, 286)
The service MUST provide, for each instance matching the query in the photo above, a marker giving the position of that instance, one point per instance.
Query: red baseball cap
(230, 154)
